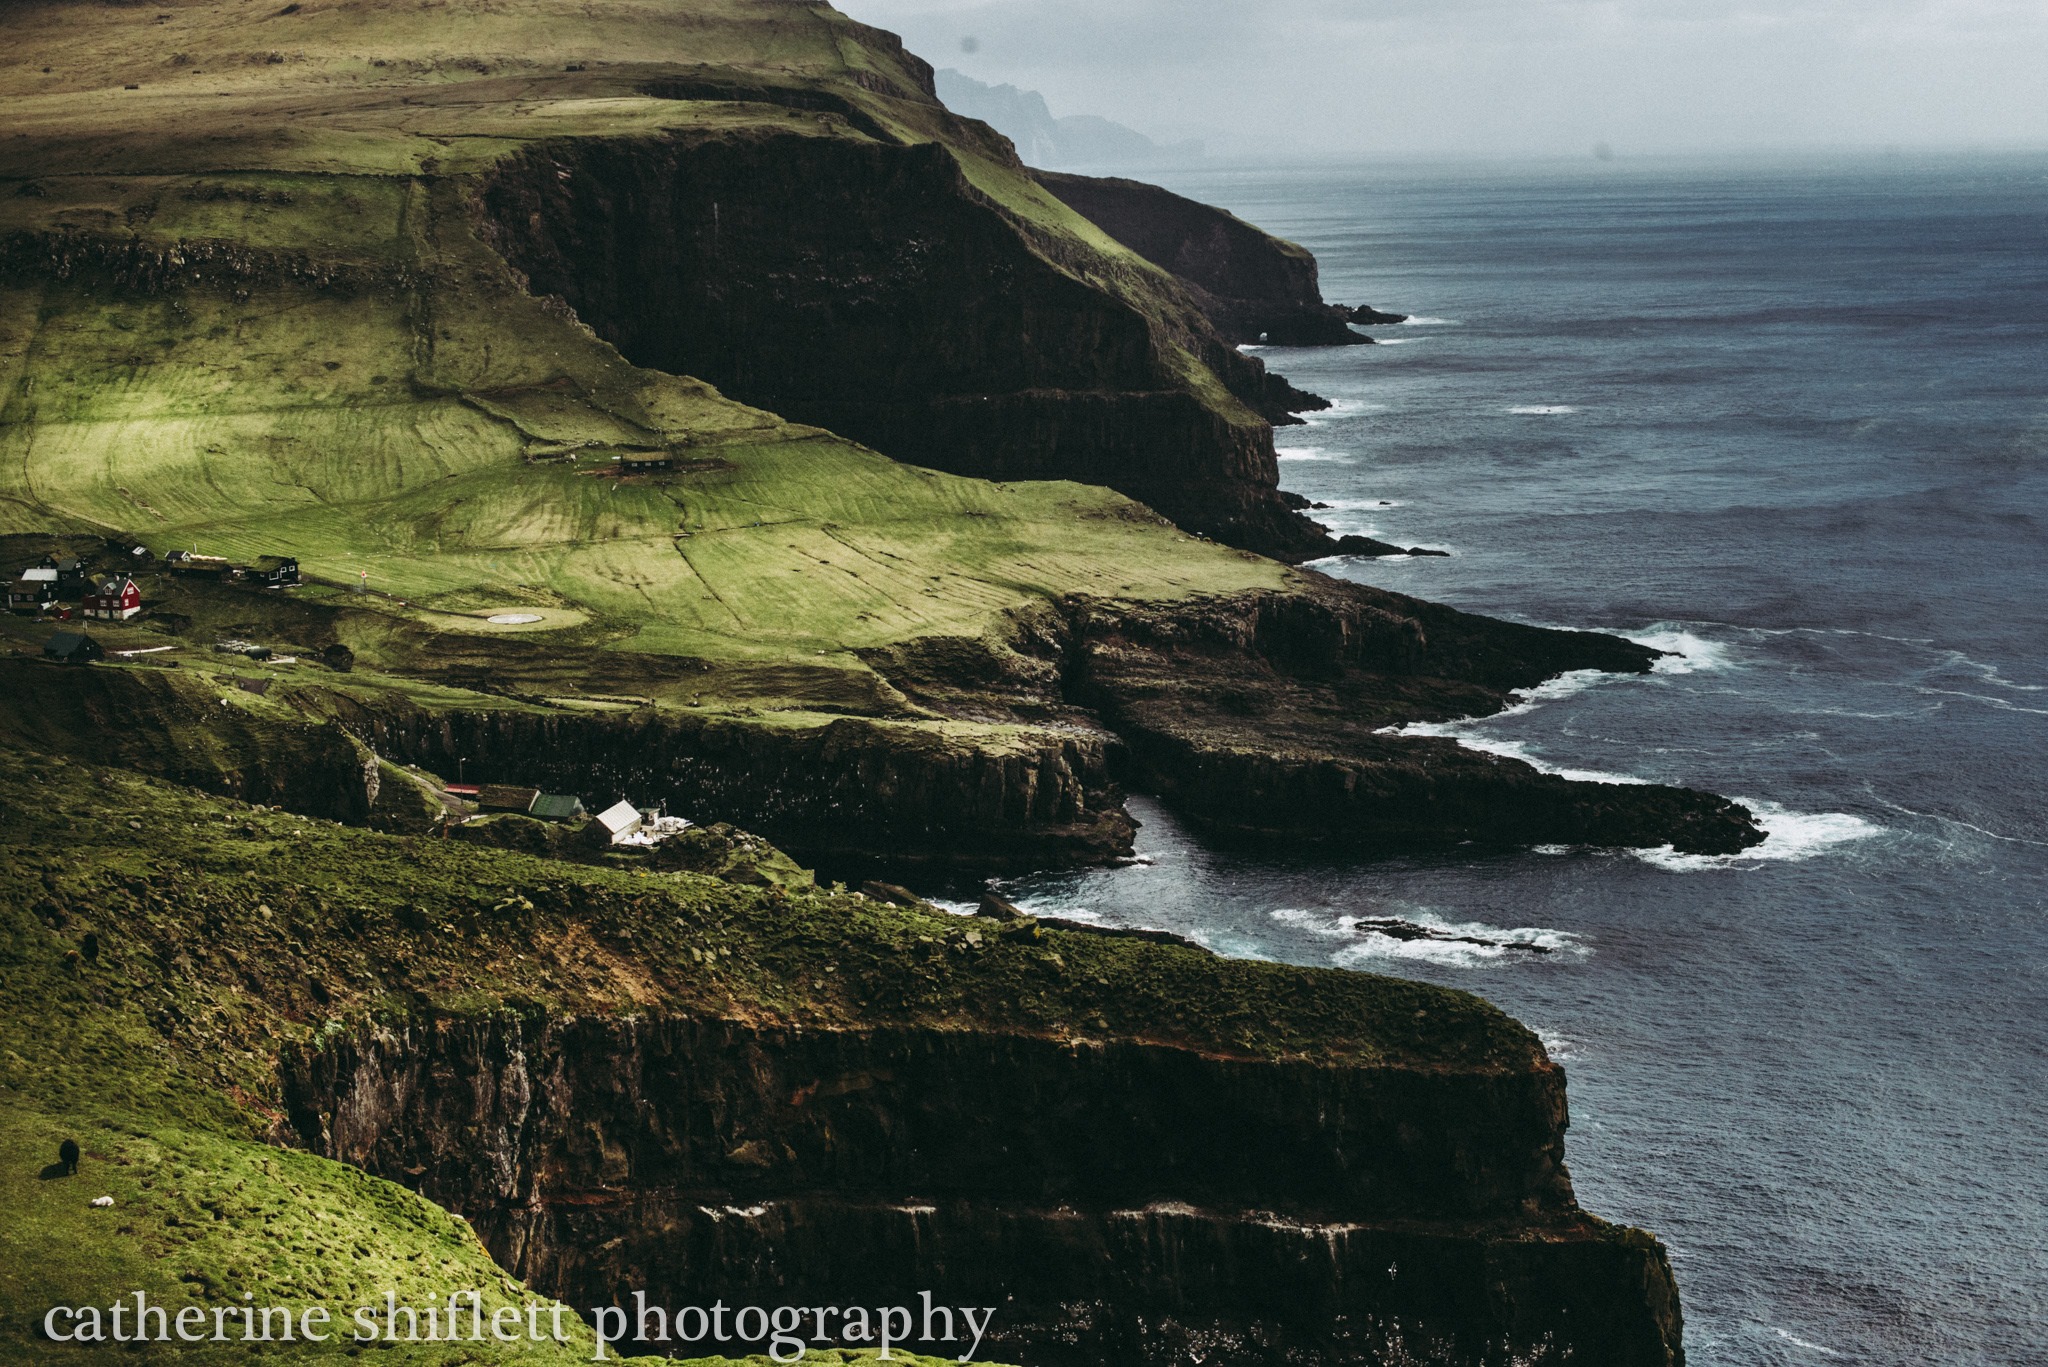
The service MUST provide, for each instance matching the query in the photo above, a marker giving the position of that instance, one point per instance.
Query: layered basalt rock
(1253, 286)
(1261, 715)
(867, 287)
(1267, 716)
(158, 724)
(1114, 1199)
(852, 793)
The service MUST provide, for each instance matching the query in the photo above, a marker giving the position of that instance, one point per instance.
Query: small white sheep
(103, 1200)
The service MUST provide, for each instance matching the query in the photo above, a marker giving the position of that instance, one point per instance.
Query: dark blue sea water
(1791, 420)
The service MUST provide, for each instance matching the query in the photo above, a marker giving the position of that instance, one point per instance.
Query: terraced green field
(276, 333)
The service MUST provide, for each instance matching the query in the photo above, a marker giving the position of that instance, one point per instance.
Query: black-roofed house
(32, 596)
(73, 648)
(274, 571)
(646, 462)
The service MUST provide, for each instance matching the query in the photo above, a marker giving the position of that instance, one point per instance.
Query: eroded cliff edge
(1113, 1198)
(1253, 286)
(875, 289)
(619, 1079)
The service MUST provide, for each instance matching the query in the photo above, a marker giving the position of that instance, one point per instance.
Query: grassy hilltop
(223, 934)
(251, 311)
(276, 278)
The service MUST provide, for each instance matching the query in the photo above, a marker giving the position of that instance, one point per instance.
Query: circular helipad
(513, 619)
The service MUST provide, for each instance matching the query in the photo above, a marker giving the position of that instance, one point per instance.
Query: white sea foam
(1394, 341)
(1799, 1342)
(1063, 913)
(1417, 322)
(1560, 1048)
(1542, 409)
(1689, 653)
(1476, 942)
(1468, 733)
(1788, 835)
(1308, 453)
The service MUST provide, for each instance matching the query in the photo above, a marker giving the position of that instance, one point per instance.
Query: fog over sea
(1790, 421)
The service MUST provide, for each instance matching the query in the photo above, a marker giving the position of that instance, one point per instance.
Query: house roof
(557, 806)
(620, 817)
(67, 642)
(44, 573)
(507, 797)
(275, 562)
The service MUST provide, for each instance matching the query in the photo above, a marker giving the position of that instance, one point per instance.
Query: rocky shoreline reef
(695, 411)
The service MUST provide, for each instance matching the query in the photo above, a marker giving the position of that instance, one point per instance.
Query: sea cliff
(695, 410)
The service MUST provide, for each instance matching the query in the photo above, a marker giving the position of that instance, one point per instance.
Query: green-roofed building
(557, 807)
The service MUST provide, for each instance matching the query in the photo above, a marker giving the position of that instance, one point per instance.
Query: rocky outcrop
(1256, 716)
(1255, 287)
(854, 793)
(1111, 1200)
(1266, 718)
(867, 287)
(1368, 316)
(176, 728)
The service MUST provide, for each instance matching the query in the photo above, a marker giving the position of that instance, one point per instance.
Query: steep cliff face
(850, 793)
(1266, 716)
(870, 288)
(1115, 1199)
(160, 724)
(1254, 287)
(1256, 716)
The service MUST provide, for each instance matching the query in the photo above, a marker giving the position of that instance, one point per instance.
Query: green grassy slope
(280, 333)
(224, 932)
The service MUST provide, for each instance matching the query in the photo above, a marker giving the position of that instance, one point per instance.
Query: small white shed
(619, 820)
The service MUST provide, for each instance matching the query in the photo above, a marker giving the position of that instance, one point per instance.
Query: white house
(619, 821)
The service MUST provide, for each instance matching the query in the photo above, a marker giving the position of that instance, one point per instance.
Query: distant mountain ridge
(1042, 140)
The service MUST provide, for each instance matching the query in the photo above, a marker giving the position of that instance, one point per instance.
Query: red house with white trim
(116, 601)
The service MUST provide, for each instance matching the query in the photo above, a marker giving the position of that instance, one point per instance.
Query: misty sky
(1321, 77)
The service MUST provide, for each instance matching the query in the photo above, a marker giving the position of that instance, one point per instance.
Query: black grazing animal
(67, 1154)
(90, 945)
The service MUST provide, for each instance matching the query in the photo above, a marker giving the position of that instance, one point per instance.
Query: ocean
(1788, 420)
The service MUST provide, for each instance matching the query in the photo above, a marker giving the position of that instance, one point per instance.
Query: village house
(73, 648)
(615, 823)
(504, 797)
(116, 601)
(72, 579)
(193, 565)
(32, 596)
(274, 571)
(557, 807)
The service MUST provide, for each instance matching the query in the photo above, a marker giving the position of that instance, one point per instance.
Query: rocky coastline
(1109, 1198)
(611, 345)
